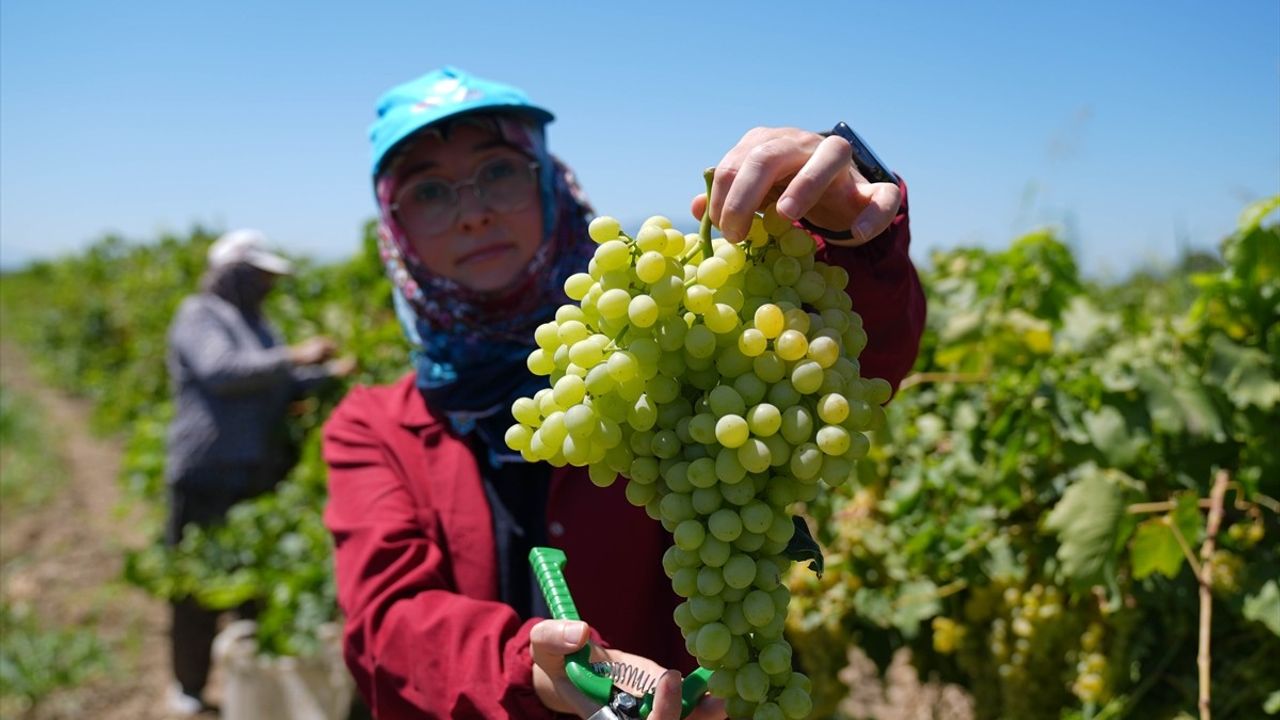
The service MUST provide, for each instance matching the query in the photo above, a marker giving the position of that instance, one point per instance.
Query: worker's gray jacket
(232, 384)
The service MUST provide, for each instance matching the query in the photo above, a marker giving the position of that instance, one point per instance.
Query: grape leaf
(1084, 326)
(1086, 521)
(1155, 549)
(1244, 373)
(917, 601)
(1178, 404)
(803, 547)
(1264, 606)
(1107, 431)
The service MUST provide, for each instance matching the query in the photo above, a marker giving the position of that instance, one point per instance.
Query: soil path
(64, 558)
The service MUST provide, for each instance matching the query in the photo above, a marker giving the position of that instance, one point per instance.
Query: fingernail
(574, 632)
(863, 230)
(788, 208)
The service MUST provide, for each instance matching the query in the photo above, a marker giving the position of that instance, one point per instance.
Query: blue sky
(1136, 127)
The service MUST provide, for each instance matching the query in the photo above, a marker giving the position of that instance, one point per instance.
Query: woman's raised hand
(807, 176)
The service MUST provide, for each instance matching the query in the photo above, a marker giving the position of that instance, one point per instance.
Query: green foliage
(35, 662)
(31, 466)
(1062, 437)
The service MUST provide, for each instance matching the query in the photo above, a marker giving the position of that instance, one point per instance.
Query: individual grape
(699, 298)
(725, 525)
(824, 350)
(705, 608)
(568, 391)
(539, 363)
(731, 431)
(752, 342)
(775, 658)
(518, 436)
(739, 571)
(797, 424)
(706, 500)
(714, 552)
(667, 291)
(786, 271)
(795, 703)
(769, 320)
(756, 517)
(700, 341)
(613, 303)
(713, 272)
(713, 641)
(576, 286)
(612, 255)
(639, 494)
(598, 380)
(675, 243)
(796, 243)
(754, 455)
(604, 228)
(525, 411)
(642, 311)
(833, 440)
(806, 462)
(791, 345)
(769, 367)
(721, 318)
(651, 238)
(810, 286)
(750, 388)
(710, 581)
(806, 377)
(764, 420)
(752, 683)
(601, 474)
(689, 535)
(736, 492)
(580, 420)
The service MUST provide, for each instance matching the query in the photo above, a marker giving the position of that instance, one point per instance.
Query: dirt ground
(64, 558)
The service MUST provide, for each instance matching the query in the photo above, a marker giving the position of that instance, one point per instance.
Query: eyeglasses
(430, 205)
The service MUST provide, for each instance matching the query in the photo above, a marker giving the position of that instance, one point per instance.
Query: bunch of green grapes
(721, 380)
(1025, 635)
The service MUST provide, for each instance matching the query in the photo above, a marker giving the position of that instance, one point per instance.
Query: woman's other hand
(807, 176)
(551, 640)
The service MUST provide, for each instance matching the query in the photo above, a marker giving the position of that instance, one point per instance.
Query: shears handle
(548, 568)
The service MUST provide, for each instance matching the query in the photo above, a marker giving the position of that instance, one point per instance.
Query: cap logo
(449, 91)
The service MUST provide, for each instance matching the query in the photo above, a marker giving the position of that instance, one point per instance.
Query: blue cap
(441, 94)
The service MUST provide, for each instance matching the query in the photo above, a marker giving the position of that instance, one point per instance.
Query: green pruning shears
(598, 680)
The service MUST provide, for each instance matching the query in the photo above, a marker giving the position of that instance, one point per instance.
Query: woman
(432, 516)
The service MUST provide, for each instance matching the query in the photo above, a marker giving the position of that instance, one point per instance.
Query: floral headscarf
(470, 348)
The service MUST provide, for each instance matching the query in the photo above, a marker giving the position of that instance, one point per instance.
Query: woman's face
(470, 207)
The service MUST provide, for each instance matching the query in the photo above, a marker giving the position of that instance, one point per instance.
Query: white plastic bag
(260, 687)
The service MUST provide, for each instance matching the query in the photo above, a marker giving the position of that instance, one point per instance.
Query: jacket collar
(407, 405)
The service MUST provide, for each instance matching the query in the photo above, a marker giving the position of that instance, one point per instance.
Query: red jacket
(425, 633)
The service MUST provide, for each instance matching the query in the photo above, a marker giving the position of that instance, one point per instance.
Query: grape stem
(704, 231)
(937, 377)
(1216, 495)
